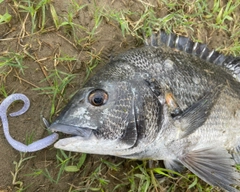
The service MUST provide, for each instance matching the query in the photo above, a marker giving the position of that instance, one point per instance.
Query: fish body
(161, 103)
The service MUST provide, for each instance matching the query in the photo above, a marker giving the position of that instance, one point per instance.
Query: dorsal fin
(230, 63)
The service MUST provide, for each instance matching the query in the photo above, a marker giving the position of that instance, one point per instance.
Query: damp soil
(40, 53)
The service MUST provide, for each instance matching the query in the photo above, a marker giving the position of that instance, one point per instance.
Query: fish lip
(71, 129)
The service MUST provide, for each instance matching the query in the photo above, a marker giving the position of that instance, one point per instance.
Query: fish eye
(98, 97)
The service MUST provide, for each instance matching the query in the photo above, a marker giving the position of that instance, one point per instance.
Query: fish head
(110, 118)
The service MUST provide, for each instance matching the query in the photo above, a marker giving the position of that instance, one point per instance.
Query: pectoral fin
(174, 165)
(195, 116)
(213, 165)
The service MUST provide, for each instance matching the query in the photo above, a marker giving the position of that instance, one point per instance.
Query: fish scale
(172, 100)
(180, 79)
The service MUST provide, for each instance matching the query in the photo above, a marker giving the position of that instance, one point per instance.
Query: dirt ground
(40, 53)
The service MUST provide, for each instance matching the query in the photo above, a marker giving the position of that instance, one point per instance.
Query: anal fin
(213, 165)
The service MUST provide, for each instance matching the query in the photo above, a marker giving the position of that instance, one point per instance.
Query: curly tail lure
(35, 146)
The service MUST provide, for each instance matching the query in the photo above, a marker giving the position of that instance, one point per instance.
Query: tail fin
(230, 63)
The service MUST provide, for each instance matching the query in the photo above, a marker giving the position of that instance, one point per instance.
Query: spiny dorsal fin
(230, 63)
(213, 165)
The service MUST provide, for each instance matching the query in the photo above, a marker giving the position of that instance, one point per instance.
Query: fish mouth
(71, 130)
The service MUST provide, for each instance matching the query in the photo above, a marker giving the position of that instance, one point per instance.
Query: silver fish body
(159, 103)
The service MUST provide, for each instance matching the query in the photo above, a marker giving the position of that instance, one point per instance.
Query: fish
(171, 99)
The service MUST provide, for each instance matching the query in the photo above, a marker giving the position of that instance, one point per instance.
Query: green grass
(11, 59)
(19, 185)
(8, 62)
(36, 10)
(6, 17)
(67, 162)
(182, 17)
(58, 81)
(69, 26)
(3, 91)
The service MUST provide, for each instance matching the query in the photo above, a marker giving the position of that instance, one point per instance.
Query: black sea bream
(178, 102)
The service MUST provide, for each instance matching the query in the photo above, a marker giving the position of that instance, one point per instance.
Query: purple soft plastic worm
(35, 146)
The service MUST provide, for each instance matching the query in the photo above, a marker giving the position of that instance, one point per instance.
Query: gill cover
(130, 112)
